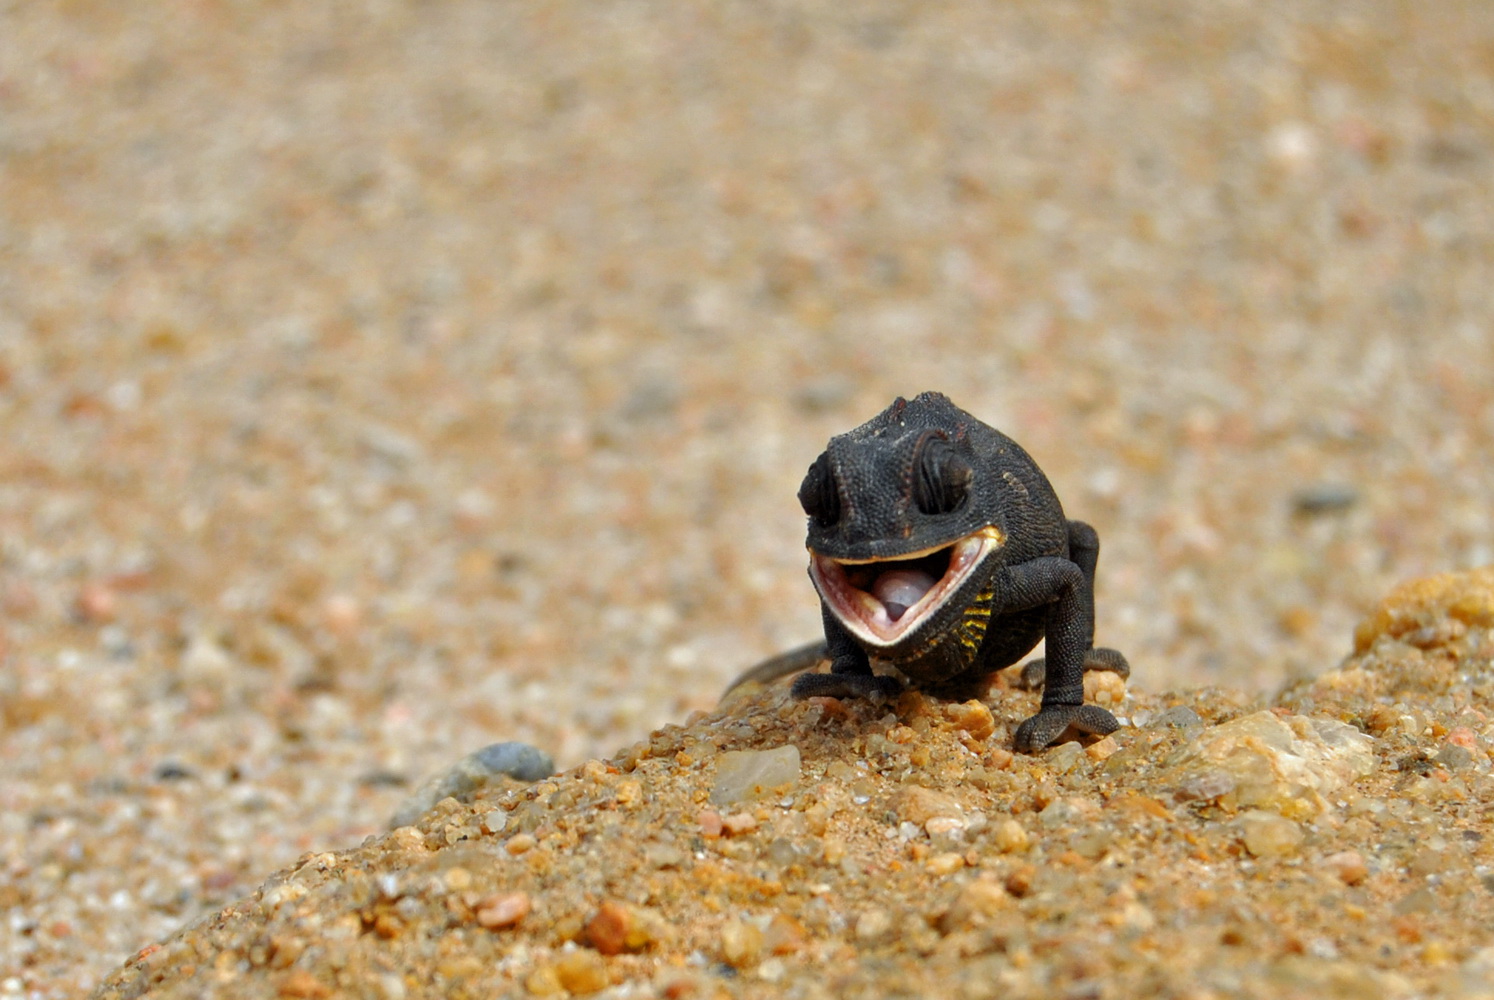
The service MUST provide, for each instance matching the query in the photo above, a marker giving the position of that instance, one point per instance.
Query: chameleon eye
(818, 495)
(943, 478)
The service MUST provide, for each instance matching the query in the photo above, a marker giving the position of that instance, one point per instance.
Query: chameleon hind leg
(1034, 672)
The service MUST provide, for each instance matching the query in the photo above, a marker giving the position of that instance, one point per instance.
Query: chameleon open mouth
(882, 601)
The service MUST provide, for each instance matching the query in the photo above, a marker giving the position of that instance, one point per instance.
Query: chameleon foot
(1099, 658)
(1052, 722)
(844, 686)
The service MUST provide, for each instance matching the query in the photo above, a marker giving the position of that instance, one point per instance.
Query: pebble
(945, 827)
(743, 775)
(582, 971)
(944, 864)
(974, 717)
(738, 823)
(916, 804)
(710, 823)
(519, 843)
(302, 985)
(1009, 837)
(981, 899)
(1324, 498)
(1285, 763)
(477, 770)
(1102, 749)
(741, 943)
(1455, 757)
(1268, 834)
(1177, 717)
(1348, 866)
(1064, 758)
(502, 910)
(784, 935)
(873, 925)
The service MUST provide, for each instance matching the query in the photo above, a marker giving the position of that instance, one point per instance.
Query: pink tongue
(900, 589)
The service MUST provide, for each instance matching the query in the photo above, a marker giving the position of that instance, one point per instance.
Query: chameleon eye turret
(943, 477)
(818, 494)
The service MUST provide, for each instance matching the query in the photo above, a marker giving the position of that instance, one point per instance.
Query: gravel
(1349, 877)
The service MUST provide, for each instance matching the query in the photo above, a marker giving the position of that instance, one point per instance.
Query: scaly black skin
(865, 502)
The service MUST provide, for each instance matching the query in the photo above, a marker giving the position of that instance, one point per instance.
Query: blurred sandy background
(379, 380)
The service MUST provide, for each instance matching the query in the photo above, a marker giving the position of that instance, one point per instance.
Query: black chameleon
(938, 547)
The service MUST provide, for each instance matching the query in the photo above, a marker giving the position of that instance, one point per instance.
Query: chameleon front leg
(850, 673)
(1084, 552)
(1061, 584)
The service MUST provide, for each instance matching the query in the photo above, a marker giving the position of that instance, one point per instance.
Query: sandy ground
(1333, 845)
(382, 380)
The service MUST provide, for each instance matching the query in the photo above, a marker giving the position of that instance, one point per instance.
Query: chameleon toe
(844, 686)
(1050, 723)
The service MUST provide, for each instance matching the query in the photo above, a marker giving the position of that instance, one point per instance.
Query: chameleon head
(899, 523)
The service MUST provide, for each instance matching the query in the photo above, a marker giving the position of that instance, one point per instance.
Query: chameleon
(938, 547)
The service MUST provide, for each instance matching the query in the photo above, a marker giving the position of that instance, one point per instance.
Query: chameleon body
(939, 548)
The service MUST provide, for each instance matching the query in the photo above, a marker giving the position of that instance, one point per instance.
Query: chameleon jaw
(871, 597)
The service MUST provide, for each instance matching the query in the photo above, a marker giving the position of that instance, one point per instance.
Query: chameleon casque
(939, 548)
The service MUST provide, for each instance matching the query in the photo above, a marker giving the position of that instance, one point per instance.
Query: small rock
(1324, 498)
(303, 985)
(664, 855)
(1454, 757)
(1462, 736)
(916, 804)
(1063, 758)
(1264, 761)
(1209, 783)
(476, 771)
(741, 944)
(1267, 834)
(1061, 812)
(97, 602)
(544, 982)
(1000, 759)
(1176, 717)
(873, 925)
(1102, 749)
(751, 774)
(582, 971)
(172, 771)
(629, 792)
(1349, 866)
(617, 927)
(944, 864)
(739, 823)
(784, 935)
(710, 823)
(973, 717)
(1104, 687)
(1009, 837)
(981, 899)
(1019, 880)
(947, 827)
(1449, 598)
(502, 910)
